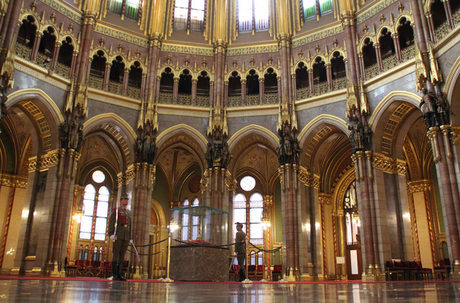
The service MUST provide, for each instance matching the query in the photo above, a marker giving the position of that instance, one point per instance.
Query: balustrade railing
(252, 100)
(202, 101)
(271, 98)
(133, 92)
(23, 51)
(408, 53)
(115, 87)
(441, 31)
(234, 101)
(43, 61)
(320, 88)
(371, 71)
(339, 83)
(303, 93)
(389, 62)
(95, 82)
(62, 70)
(165, 98)
(184, 99)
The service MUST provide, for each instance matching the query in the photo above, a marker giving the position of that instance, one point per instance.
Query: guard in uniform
(240, 250)
(120, 233)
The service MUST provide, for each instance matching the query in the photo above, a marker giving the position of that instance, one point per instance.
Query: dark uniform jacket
(240, 246)
(123, 231)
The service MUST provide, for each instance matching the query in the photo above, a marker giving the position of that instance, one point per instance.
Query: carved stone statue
(442, 109)
(428, 108)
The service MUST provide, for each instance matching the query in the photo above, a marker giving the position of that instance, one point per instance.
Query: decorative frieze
(307, 178)
(44, 162)
(325, 198)
(13, 180)
(419, 186)
(389, 165)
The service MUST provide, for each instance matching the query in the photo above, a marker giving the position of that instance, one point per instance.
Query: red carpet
(5, 277)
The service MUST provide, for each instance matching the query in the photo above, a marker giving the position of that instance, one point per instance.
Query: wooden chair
(277, 272)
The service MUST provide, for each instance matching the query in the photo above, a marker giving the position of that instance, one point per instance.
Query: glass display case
(199, 224)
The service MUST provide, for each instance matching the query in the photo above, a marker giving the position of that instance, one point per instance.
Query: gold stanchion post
(169, 260)
(247, 259)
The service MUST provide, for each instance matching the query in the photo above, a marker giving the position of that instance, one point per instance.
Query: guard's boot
(242, 275)
(115, 271)
(120, 272)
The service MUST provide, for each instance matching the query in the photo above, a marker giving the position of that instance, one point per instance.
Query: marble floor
(45, 290)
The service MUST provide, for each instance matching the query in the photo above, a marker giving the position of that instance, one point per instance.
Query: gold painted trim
(447, 42)
(256, 110)
(327, 120)
(166, 132)
(121, 33)
(119, 120)
(36, 91)
(324, 99)
(391, 75)
(380, 108)
(30, 258)
(325, 31)
(107, 97)
(40, 73)
(452, 79)
(253, 127)
(373, 9)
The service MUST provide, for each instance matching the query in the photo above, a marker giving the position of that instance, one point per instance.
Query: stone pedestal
(190, 263)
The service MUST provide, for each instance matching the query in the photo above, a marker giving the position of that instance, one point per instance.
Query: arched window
(125, 8)
(312, 8)
(192, 225)
(95, 209)
(248, 209)
(253, 15)
(350, 209)
(185, 221)
(189, 15)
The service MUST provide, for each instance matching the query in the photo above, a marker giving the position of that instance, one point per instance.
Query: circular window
(98, 176)
(247, 183)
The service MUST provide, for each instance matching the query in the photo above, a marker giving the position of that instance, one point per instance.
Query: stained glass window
(189, 14)
(325, 7)
(95, 209)
(253, 12)
(131, 8)
(309, 9)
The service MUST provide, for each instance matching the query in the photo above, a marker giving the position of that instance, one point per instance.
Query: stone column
(284, 44)
(194, 83)
(143, 183)
(447, 178)
(329, 76)
(57, 47)
(311, 82)
(261, 90)
(289, 187)
(143, 84)
(73, 64)
(105, 82)
(294, 87)
(366, 215)
(243, 91)
(397, 46)
(152, 88)
(175, 90)
(226, 93)
(9, 26)
(38, 38)
(378, 55)
(420, 191)
(125, 81)
(450, 20)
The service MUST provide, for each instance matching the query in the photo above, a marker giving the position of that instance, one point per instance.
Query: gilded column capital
(389, 165)
(155, 40)
(325, 198)
(220, 46)
(419, 186)
(13, 181)
(307, 178)
(455, 131)
(89, 17)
